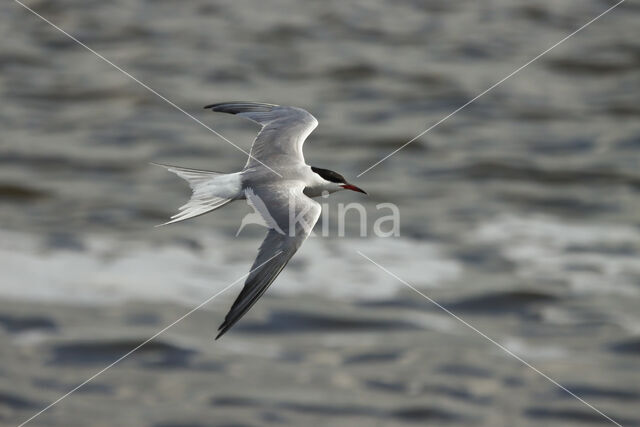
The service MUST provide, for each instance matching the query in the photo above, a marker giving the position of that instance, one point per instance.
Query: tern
(276, 181)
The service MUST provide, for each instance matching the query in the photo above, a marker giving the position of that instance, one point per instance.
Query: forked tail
(211, 190)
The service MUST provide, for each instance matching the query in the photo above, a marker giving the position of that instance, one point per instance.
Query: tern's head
(333, 181)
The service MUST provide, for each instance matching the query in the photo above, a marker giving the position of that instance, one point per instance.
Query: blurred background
(520, 214)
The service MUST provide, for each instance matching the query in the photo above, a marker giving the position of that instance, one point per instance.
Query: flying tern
(277, 183)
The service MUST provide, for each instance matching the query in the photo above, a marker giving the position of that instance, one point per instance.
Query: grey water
(520, 214)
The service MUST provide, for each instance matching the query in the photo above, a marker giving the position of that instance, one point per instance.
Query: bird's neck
(320, 187)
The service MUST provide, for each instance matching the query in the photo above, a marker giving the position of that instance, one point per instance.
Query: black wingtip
(218, 104)
(222, 330)
(235, 107)
(226, 107)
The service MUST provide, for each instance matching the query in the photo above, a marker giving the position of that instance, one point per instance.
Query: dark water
(519, 214)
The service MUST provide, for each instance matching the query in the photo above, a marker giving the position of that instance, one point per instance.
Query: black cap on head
(329, 175)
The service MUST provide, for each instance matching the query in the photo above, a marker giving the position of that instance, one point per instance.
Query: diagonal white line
(490, 88)
(121, 358)
(482, 334)
(150, 89)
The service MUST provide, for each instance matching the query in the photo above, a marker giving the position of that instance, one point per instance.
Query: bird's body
(276, 181)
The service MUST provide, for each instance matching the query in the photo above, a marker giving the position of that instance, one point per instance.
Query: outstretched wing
(279, 245)
(284, 130)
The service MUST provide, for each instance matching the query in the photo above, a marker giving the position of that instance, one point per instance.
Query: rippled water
(519, 214)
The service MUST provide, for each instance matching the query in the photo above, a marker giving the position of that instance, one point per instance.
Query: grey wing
(284, 130)
(278, 247)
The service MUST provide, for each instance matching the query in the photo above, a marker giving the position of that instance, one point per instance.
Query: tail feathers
(202, 200)
(192, 176)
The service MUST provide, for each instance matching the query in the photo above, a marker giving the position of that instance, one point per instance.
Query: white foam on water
(537, 352)
(108, 270)
(547, 249)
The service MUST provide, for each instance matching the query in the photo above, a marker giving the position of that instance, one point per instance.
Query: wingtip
(219, 107)
(221, 331)
(235, 107)
(220, 104)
